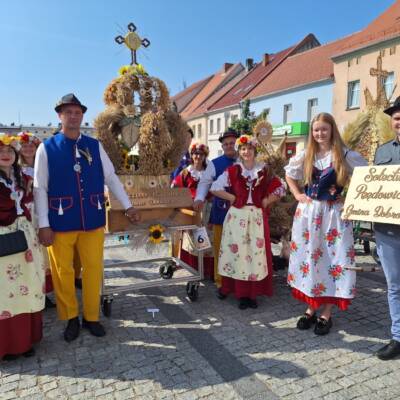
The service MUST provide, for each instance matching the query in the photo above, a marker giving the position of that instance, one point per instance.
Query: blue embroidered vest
(324, 186)
(220, 207)
(76, 185)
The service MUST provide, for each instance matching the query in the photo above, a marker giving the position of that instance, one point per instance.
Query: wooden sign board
(147, 192)
(374, 195)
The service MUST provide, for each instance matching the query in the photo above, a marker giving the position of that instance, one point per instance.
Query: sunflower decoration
(156, 234)
(8, 140)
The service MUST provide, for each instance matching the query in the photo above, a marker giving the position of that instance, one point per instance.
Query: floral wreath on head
(28, 137)
(8, 140)
(199, 147)
(246, 139)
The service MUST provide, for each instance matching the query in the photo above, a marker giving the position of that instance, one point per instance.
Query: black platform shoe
(220, 295)
(252, 303)
(243, 303)
(323, 326)
(94, 327)
(72, 330)
(305, 321)
(389, 351)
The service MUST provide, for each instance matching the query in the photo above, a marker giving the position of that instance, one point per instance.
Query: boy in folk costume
(70, 172)
(388, 240)
(245, 257)
(219, 206)
(322, 243)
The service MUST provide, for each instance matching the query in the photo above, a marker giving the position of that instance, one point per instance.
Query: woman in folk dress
(189, 177)
(22, 283)
(245, 259)
(322, 246)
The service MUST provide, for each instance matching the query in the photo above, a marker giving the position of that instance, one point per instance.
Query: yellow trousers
(217, 235)
(89, 246)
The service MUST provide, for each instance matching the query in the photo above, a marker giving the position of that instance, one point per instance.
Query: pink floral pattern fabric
(321, 250)
(242, 254)
(22, 275)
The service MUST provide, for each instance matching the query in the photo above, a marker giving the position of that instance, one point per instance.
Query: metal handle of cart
(171, 262)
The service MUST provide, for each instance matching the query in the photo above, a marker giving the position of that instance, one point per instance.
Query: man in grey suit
(388, 240)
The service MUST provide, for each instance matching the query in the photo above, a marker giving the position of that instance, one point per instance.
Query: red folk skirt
(317, 302)
(18, 334)
(252, 289)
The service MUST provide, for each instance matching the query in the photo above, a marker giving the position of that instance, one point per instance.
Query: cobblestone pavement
(210, 349)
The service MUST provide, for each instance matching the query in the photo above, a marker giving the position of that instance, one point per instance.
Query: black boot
(78, 283)
(29, 353)
(389, 351)
(243, 303)
(95, 328)
(48, 303)
(220, 295)
(72, 330)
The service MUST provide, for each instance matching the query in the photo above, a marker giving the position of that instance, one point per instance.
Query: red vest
(8, 211)
(261, 187)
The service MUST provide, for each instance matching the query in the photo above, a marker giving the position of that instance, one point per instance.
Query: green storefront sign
(292, 129)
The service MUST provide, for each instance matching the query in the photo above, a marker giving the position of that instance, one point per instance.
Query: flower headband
(246, 139)
(8, 140)
(199, 147)
(28, 137)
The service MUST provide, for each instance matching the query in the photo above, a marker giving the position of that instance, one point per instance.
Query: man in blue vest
(388, 240)
(219, 207)
(70, 172)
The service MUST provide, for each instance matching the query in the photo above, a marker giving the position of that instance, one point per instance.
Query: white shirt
(41, 180)
(222, 181)
(207, 178)
(295, 168)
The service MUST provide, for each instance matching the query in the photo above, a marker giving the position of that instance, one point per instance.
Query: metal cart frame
(166, 270)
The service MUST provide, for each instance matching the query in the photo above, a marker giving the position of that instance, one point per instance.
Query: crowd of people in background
(52, 218)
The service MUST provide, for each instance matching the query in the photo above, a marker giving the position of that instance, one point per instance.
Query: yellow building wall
(357, 67)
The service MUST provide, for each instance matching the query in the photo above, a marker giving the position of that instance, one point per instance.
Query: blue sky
(49, 48)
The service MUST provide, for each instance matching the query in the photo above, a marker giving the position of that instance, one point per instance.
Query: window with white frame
(287, 113)
(199, 131)
(388, 84)
(218, 125)
(312, 109)
(353, 94)
(211, 126)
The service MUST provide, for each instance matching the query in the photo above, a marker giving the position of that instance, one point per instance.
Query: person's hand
(303, 198)
(265, 202)
(198, 205)
(46, 236)
(132, 214)
(233, 198)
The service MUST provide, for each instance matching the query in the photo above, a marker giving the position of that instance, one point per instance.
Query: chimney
(249, 64)
(226, 66)
(265, 59)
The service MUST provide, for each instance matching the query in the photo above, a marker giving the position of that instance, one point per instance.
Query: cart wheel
(106, 307)
(192, 290)
(375, 256)
(367, 247)
(167, 270)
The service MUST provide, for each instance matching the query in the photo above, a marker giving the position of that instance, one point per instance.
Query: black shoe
(29, 353)
(323, 326)
(48, 303)
(78, 283)
(72, 330)
(243, 303)
(252, 303)
(305, 321)
(389, 351)
(95, 328)
(220, 295)
(10, 357)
